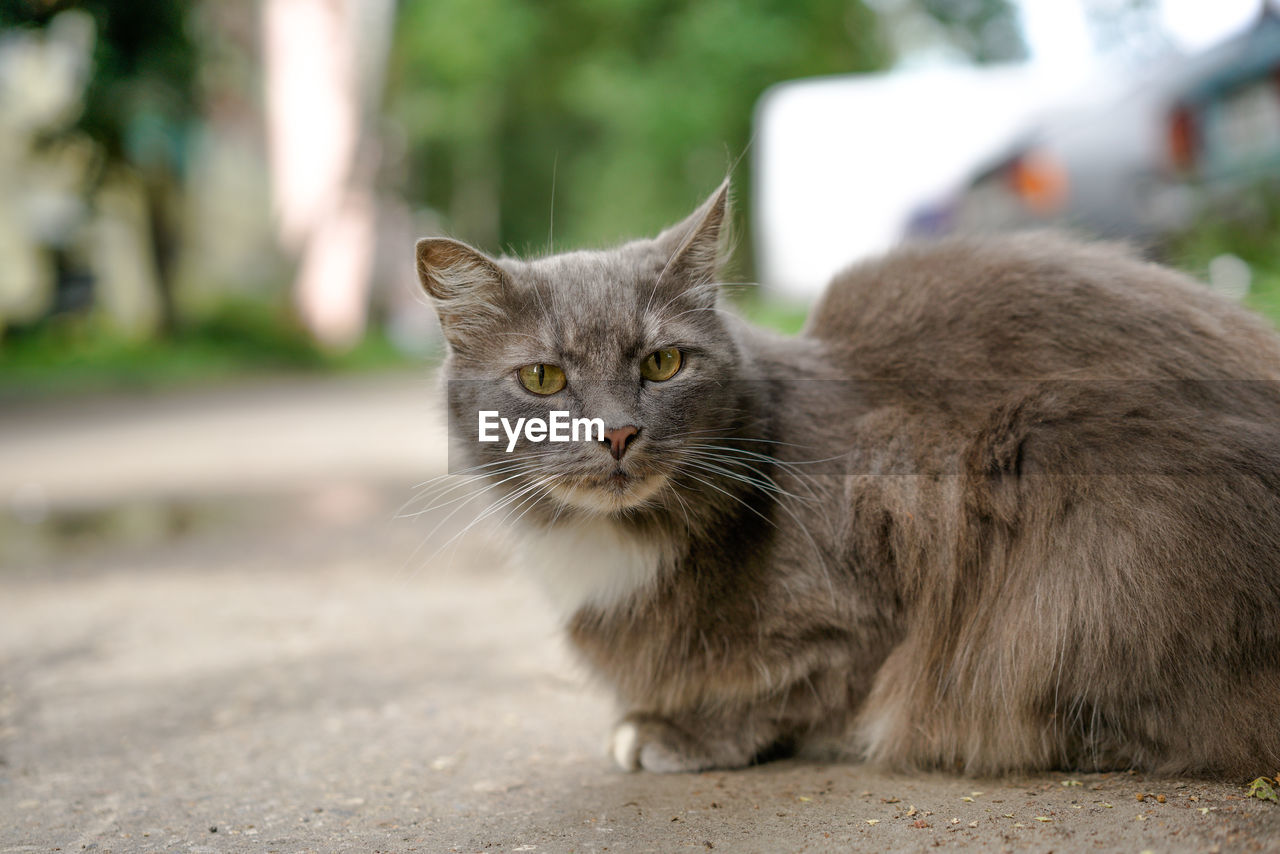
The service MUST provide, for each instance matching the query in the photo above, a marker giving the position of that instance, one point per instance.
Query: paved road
(289, 667)
(272, 435)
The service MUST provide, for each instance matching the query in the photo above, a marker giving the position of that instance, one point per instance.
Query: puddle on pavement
(33, 534)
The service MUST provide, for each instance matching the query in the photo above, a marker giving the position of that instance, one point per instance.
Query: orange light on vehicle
(1040, 181)
(1182, 139)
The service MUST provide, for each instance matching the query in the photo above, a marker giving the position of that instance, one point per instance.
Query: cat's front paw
(645, 743)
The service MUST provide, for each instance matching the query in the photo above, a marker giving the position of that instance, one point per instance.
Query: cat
(1005, 504)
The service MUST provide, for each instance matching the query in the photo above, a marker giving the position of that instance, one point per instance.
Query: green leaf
(1262, 789)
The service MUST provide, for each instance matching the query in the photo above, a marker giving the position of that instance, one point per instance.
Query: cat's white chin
(609, 496)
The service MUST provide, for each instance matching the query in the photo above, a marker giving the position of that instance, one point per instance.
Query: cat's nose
(618, 439)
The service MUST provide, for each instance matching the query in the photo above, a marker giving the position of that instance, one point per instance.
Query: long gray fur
(1042, 548)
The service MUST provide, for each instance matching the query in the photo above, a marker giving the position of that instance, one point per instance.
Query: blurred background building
(1141, 121)
(201, 188)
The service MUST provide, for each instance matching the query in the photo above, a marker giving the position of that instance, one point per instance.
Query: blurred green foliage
(73, 354)
(142, 90)
(785, 316)
(138, 107)
(1249, 228)
(610, 118)
(635, 107)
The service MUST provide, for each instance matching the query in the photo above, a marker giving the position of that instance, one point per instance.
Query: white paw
(637, 747)
(624, 746)
(662, 760)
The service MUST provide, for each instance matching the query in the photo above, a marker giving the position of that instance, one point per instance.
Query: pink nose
(618, 439)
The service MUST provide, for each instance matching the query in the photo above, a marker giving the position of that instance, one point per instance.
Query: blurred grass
(81, 354)
(1248, 228)
(783, 316)
(69, 355)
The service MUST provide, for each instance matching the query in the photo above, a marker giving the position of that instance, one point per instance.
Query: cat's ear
(693, 248)
(465, 284)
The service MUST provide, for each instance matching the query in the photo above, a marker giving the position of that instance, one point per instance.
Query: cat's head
(631, 336)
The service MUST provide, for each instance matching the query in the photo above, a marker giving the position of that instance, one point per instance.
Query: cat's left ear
(693, 248)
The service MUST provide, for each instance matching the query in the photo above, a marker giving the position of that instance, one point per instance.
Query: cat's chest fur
(595, 562)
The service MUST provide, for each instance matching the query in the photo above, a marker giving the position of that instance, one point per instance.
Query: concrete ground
(217, 633)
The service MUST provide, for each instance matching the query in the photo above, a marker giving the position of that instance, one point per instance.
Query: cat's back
(1099, 584)
(1035, 305)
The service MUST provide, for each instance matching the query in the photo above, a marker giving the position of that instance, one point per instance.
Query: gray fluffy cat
(1004, 504)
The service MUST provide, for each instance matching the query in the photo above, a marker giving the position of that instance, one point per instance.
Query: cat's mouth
(618, 483)
(613, 492)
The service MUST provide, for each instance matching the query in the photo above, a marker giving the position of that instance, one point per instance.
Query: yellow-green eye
(661, 364)
(541, 379)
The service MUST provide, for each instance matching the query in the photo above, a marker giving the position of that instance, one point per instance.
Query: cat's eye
(541, 379)
(661, 364)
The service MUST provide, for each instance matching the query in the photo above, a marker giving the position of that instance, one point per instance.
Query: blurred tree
(984, 30)
(138, 105)
(950, 31)
(455, 69)
(632, 108)
(635, 106)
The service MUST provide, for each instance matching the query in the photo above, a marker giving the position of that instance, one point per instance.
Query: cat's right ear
(464, 284)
